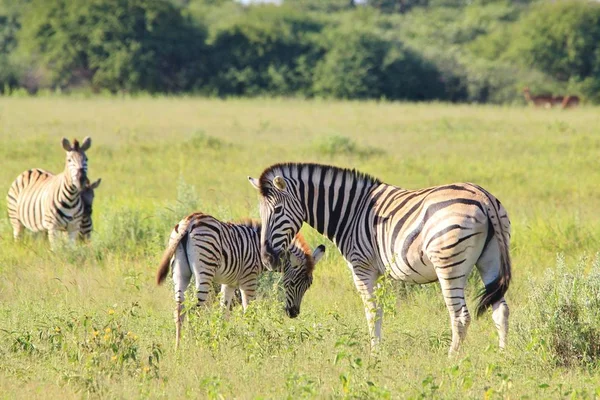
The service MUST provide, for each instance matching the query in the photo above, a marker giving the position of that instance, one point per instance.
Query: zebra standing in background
(87, 197)
(229, 254)
(41, 201)
(419, 236)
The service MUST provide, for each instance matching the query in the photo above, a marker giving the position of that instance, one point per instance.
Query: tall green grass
(161, 158)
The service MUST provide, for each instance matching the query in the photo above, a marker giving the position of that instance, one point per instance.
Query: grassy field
(91, 322)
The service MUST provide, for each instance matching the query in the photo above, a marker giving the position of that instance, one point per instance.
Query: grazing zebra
(41, 201)
(87, 197)
(229, 254)
(419, 236)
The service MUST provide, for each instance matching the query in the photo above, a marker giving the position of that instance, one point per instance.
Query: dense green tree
(268, 49)
(117, 44)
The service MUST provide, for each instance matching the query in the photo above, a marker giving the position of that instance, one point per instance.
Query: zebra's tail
(179, 232)
(495, 290)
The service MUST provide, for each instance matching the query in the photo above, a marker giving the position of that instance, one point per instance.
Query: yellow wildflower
(106, 337)
(107, 330)
(114, 358)
(111, 311)
(57, 329)
(96, 333)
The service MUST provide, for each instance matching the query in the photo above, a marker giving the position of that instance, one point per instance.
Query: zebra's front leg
(73, 237)
(365, 281)
(52, 237)
(227, 293)
(248, 294)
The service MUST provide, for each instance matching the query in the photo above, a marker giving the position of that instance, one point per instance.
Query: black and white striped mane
(292, 170)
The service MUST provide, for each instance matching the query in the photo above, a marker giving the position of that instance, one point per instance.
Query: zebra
(229, 253)
(418, 236)
(87, 197)
(41, 201)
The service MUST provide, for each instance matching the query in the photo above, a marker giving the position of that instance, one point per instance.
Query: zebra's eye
(278, 208)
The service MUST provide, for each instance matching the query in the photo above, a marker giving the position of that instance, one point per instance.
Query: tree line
(448, 50)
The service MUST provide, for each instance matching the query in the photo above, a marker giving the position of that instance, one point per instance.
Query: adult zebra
(419, 236)
(41, 201)
(229, 254)
(87, 197)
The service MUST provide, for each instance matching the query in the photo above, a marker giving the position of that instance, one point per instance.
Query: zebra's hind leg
(182, 275)
(453, 290)
(16, 224)
(488, 266)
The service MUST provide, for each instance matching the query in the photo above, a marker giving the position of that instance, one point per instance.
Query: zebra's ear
(66, 144)
(87, 142)
(318, 253)
(96, 184)
(254, 182)
(279, 183)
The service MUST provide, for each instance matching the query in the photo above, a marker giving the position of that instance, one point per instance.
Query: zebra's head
(282, 216)
(298, 273)
(76, 161)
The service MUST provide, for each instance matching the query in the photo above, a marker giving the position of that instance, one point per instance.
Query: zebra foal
(41, 201)
(418, 236)
(87, 197)
(229, 254)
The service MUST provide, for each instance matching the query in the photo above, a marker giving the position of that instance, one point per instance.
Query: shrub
(562, 322)
(333, 145)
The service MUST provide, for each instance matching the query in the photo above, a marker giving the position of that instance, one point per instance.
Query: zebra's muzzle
(292, 311)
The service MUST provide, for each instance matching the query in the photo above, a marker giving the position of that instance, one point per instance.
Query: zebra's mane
(287, 169)
(75, 145)
(300, 242)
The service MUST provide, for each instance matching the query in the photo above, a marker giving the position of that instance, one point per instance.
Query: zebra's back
(26, 198)
(233, 250)
(417, 231)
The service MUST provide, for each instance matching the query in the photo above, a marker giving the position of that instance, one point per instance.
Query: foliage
(118, 45)
(267, 49)
(562, 323)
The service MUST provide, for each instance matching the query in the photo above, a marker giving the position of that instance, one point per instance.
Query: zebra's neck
(70, 194)
(333, 198)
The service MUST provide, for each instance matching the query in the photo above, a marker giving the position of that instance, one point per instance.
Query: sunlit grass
(162, 158)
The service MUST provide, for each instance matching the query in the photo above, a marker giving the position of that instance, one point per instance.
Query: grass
(91, 322)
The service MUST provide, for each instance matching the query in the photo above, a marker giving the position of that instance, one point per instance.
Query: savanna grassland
(90, 321)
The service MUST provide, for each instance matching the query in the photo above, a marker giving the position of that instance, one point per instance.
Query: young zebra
(229, 254)
(419, 236)
(87, 197)
(41, 201)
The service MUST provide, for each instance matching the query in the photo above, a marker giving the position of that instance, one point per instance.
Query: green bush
(562, 322)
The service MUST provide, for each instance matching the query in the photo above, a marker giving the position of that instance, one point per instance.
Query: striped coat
(87, 197)
(40, 201)
(420, 236)
(228, 254)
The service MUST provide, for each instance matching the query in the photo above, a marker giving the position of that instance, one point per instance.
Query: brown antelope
(543, 100)
(570, 101)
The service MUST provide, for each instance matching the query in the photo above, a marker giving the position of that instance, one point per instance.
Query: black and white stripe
(41, 201)
(419, 236)
(228, 253)
(87, 197)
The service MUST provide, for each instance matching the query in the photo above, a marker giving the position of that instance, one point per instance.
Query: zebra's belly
(235, 276)
(416, 270)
